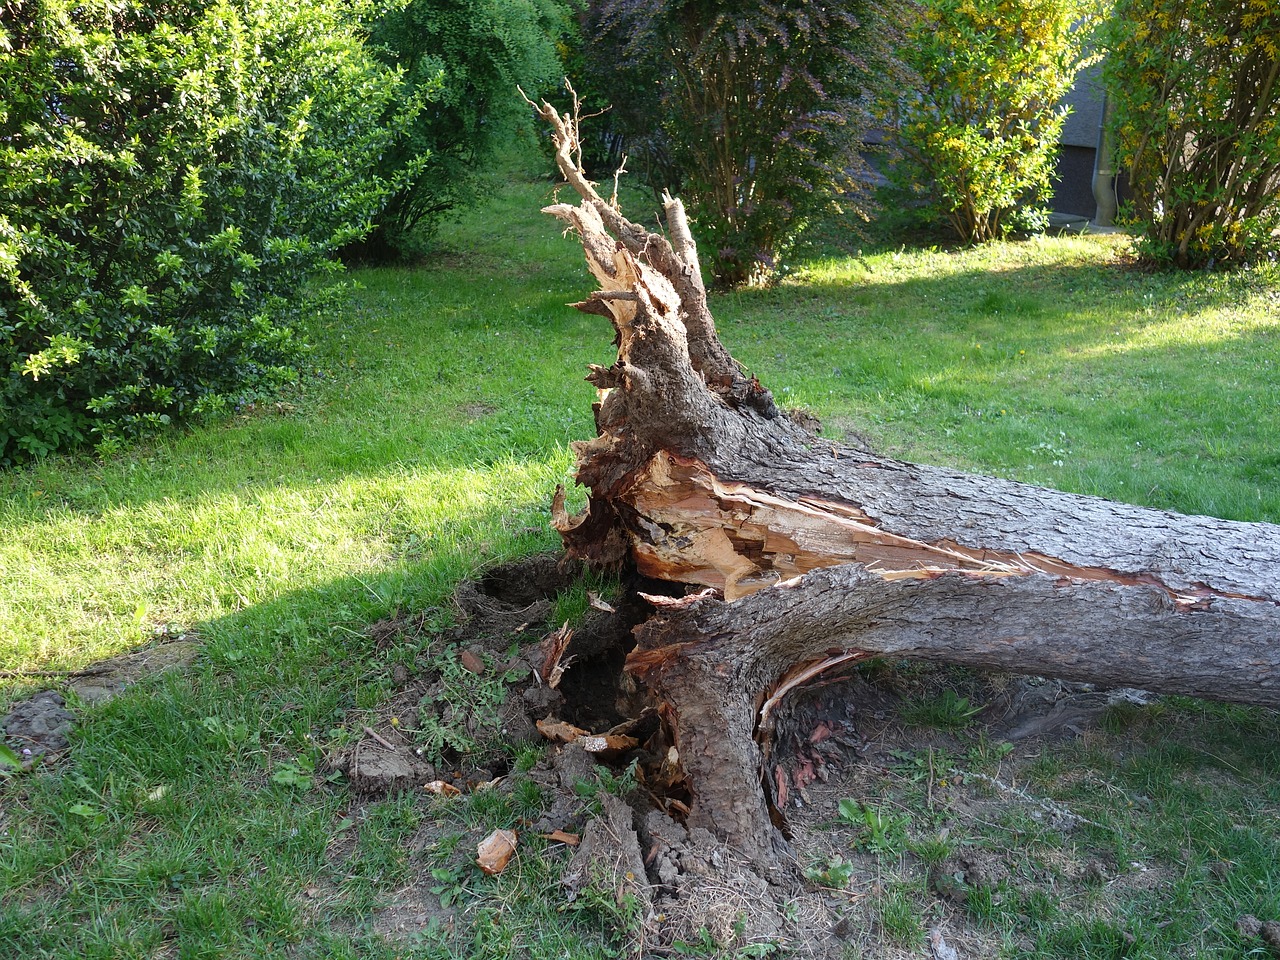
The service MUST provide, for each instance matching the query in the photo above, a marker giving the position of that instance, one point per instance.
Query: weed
(527, 799)
(833, 872)
(607, 781)
(296, 774)
(451, 883)
(528, 756)
(900, 915)
(986, 753)
(463, 717)
(10, 762)
(931, 850)
(946, 711)
(704, 946)
(881, 833)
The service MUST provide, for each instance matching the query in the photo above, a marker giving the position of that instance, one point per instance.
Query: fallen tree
(802, 554)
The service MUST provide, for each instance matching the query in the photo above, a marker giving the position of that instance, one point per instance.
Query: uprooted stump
(795, 554)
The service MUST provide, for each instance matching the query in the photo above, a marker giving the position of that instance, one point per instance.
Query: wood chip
(558, 731)
(606, 746)
(441, 789)
(594, 601)
(495, 851)
(559, 836)
(553, 647)
(472, 661)
(675, 603)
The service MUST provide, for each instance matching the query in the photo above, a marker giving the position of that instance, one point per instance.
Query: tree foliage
(172, 176)
(755, 109)
(1196, 87)
(463, 59)
(978, 129)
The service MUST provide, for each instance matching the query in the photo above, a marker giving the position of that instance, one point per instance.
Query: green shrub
(760, 107)
(978, 132)
(172, 177)
(1197, 109)
(464, 59)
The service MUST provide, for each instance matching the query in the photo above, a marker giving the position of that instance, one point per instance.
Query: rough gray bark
(812, 553)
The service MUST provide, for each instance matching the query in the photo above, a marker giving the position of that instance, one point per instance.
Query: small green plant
(978, 133)
(704, 946)
(620, 783)
(931, 850)
(450, 883)
(528, 758)
(296, 774)
(88, 812)
(464, 715)
(833, 872)
(900, 916)
(527, 798)
(10, 762)
(607, 781)
(947, 711)
(985, 752)
(881, 833)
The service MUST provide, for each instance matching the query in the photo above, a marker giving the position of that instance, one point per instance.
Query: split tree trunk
(812, 554)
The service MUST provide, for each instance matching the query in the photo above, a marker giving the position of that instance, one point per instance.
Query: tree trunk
(811, 554)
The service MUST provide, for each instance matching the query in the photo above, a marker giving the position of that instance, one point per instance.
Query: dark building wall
(1073, 182)
(1073, 178)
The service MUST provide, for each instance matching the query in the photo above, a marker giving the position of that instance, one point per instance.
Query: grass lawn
(185, 821)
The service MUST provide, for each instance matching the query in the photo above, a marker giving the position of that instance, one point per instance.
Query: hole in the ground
(597, 692)
(527, 581)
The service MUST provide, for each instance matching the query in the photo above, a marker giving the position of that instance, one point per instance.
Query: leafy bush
(464, 59)
(1197, 109)
(978, 131)
(172, 176)
(619, 80)
(762, 108)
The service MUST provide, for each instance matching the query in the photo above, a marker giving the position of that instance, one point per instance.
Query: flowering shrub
(978, 132)
(172, 175)
(1197, 110)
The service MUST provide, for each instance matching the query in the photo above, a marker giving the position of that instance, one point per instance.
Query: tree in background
(463, 60)
(1197, 110)
(978, 129)
(758, 108)
(173, 176)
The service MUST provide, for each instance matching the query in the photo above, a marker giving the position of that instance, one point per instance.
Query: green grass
(1046, 361)
(426, 446)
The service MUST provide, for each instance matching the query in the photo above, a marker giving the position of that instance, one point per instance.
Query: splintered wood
(695, 528)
